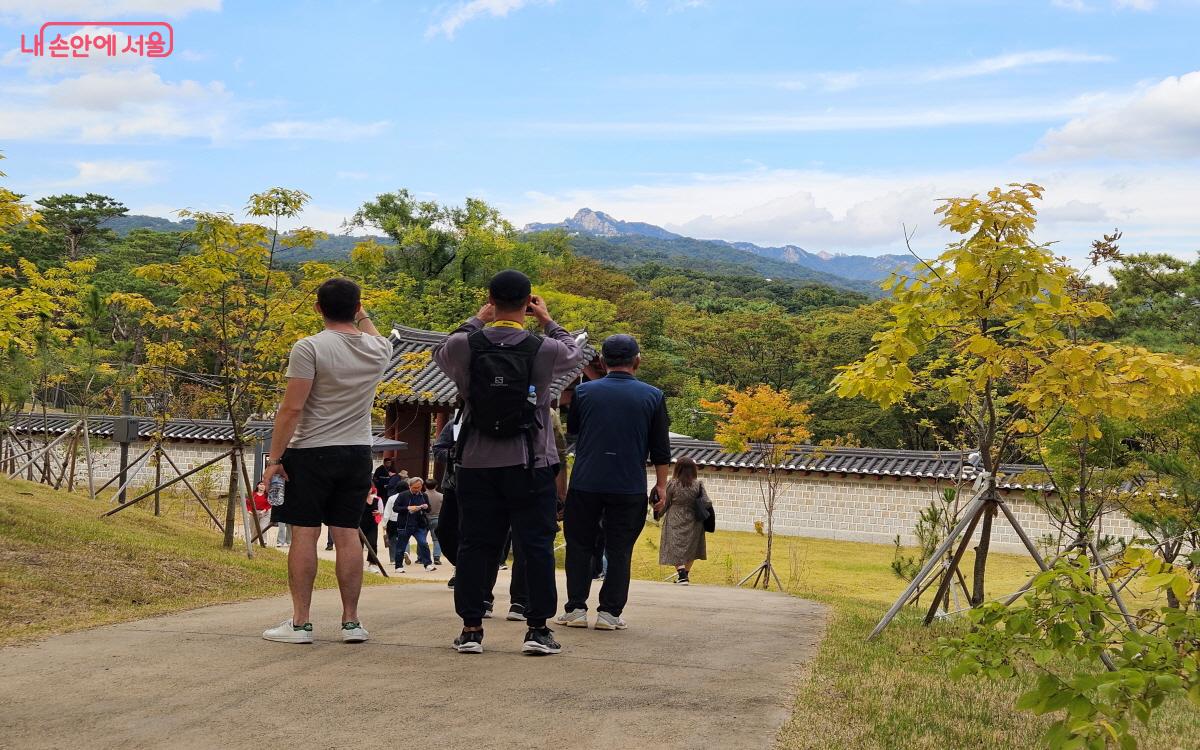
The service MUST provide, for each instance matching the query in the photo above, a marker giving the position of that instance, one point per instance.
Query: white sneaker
(429, 568)
(285, 632)
(354, 632)
(373, 569)
(576, 618)
(400, 570)
(605, 621)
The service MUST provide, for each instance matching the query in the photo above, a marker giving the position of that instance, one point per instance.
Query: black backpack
(498, 391)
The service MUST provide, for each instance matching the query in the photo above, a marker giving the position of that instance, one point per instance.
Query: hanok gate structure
(418, 416)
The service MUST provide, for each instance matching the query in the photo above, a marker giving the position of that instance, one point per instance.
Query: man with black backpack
(505, 456)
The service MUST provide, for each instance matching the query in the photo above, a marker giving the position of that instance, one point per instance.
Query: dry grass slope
(63, 568)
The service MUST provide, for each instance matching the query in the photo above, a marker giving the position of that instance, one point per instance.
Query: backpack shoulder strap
(476, 340)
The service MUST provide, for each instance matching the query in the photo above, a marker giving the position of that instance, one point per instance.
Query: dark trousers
(399, 544)
(518, 587)
(447, 531)
(370, 530)
(490, 501)
(622, 517)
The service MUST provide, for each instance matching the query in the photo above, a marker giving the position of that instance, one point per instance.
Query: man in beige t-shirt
(321, 445)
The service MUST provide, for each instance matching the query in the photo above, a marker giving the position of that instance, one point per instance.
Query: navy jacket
(620, 421)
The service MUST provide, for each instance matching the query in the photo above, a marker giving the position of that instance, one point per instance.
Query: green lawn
(893, 692)
(63, 568)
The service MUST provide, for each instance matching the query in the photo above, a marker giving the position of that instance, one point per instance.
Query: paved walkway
(699, 667)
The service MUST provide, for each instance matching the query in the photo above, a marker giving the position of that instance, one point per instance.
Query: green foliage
(466, 243)
(933, 523)
(1066, 626)
(79, 220)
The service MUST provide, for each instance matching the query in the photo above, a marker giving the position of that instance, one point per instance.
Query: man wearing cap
(619, 421)
(507, 481)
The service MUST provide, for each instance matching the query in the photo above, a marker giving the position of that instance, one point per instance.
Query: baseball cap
(620, 346)
(509, 286)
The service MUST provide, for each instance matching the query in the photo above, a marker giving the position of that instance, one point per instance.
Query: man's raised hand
(538, 309)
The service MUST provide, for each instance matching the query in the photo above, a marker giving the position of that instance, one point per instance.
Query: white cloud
(1081, 6)
(845, 80)
(124, 105)
(102, 173)
(54, 10)
(863, 213)
(453, 18)
(332, 129)
(966, 113)
(1159, 121)
(347, 174)
(1001, 63)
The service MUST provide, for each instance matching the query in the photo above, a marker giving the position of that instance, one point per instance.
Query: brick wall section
(862, 509)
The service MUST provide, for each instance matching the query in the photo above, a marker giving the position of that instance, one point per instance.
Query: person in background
(369, 524)
(383, 472)
(435, 511)
(321, 446)
(620, 422)
(410, 508)
(682, 542)
(283, 535)
(396, 484)
(258, 505)
(443, 452)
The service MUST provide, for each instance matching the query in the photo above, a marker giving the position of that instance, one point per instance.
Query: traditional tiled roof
(204, 430)
(211, 430)
(875, 462)
(430, 386)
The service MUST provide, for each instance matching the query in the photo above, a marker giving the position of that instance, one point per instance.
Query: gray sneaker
(605, 621)
(575, 618)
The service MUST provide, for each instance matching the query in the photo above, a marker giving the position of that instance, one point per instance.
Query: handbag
(652, 500)
(704, 511)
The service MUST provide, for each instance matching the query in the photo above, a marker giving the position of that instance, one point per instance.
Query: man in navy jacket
(619, 421)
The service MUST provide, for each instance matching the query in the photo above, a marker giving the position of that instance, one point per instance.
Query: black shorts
(327, 485)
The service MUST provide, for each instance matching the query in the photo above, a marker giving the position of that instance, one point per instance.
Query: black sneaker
(683, 578)
(450, 583)
(516, 613)
(469, 642)
(487, 613)
(437, 561)
(539, 641)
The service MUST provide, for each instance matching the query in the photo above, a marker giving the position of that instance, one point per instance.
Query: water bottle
(532, 398)
(275, 491)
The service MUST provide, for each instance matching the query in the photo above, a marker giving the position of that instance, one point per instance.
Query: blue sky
(828, 125)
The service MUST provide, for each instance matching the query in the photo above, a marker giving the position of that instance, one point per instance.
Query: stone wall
(862, 509)
(106, 464)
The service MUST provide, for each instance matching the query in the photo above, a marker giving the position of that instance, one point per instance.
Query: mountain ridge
(847, 266)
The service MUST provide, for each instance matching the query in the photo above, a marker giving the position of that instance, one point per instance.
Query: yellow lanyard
(508, 324)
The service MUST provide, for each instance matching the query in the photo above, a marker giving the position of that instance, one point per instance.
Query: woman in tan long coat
(682, 540)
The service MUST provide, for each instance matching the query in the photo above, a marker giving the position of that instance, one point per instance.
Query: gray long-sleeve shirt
(557, 356)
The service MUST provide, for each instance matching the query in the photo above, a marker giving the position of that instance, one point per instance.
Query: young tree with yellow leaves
(770, 423)
(242, 312)
(993, 324)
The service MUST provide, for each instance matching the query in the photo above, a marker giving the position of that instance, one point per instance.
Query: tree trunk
(981, 554)
(771, 488)
(230, 507)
